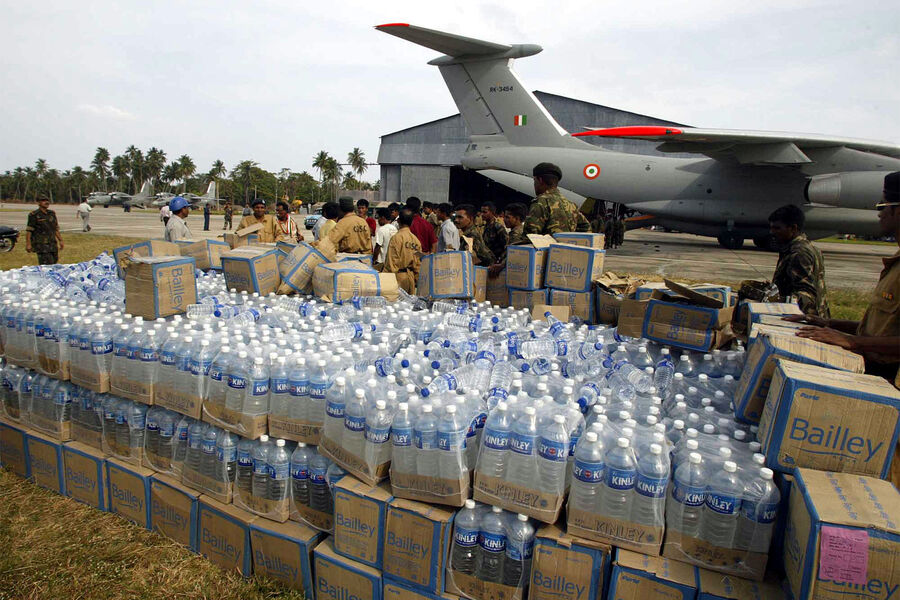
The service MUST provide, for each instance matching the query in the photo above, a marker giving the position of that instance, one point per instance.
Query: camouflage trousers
(48, 258)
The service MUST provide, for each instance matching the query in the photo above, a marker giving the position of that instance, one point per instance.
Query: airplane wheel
(764, 242)
(731, 240)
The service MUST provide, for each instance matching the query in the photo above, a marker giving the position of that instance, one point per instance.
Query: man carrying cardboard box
(403, 253)
(269, 232)
(551, 212)
(351, 234)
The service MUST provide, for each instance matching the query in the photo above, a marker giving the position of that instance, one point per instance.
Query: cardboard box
(277, 511)
(573, 268)
(365, 259)
(715, 586)
(496, 491)
(159, 286)
(248, 426)
(608, 306)
(496, 292)
(699, 552)
(416, 542)
(285, 247)
(45, 464)
(123, 254)
(188, 404)
(581, 304)
(294, 429)
(564, 567)
(450, 492)
(207, 254)
(129, 491)
(13, 454)
(525, 267)
(578, 238)
(59, 430)
(641, 577)
(321, 520)
(339, 578)
(223, 535)
(251, 269)
(297, 267)
(829, 420)
(340, 281)
(527, 298)
(85, 475)
(360, 511)
(283, 551)
(758, 329)
(394, 591)
(446, 275)
(680, 317)
(211, 487)
(616, 532)
(752, 312)
(722, 293)
(842, 538)
(355, 465)
(243, 237)
(753, 386)
(173, 510)
(480, 290)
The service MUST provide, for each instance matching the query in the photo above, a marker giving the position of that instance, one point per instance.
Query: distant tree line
(128, 171)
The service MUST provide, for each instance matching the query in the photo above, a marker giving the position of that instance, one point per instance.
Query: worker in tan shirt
(403, 253)
(269, 231)
(352, 233)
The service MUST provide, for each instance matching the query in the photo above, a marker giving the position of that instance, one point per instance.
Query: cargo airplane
(737, 179)
(140, 200)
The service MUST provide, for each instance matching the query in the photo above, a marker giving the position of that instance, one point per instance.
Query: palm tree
(217, 170)
(243, 172)
(169, 174)
(100, 165)
(186, 168)
(77, 177)
(320, 162)
(40, 172)
(135, 167)
(357, 161)
(332, 174)
(282, 178)
(120, 169)
(154, 162)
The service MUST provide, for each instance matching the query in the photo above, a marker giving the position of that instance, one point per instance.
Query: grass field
(55, 547)
(79, 247)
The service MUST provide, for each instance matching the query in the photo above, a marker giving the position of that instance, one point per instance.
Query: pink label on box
(844, 555)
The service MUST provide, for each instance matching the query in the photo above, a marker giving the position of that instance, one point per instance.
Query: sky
(278, 81)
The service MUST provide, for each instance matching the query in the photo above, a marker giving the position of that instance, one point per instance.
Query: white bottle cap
(522, 517)
(591, 436)
(263, 438)
(380, 404)
(692, 444)
(729, 466)
(695, 458)
(202, 342)
(766, 473)
(655, 449)
(529, 410)
(258, 360)
(470, 504)
(427, 408)
(359, 393)
(559, 419)
(451, 410)
(678, 424)
(403, 406)
(279, 443)
(623, 442)
(496, 509)
(709, 429)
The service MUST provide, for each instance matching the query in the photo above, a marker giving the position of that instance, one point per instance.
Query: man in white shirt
(176, 228)
(84, 211)
(165, 214)
(383, 235)
(448, 238)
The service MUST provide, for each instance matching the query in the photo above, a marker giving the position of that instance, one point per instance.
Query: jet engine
(858, 189)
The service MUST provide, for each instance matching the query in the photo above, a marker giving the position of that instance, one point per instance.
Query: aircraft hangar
(424, 160)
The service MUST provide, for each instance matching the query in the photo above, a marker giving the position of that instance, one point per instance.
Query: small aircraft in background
(106, 199)
(195, 201)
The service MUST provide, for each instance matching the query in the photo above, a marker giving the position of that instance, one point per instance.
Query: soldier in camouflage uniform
(42, 234)
(551, 212)
(493, 231)
(514, 219)
(620, 230)
(465, 214)
(800, 271)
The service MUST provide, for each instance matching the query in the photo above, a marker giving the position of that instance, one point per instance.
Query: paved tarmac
(676, 255)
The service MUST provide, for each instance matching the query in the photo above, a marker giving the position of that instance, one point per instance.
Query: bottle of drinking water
(722, 508)
(355, 424)
(167, 437)
(378, 434)
(758, 511)
(244, 474)
(648, 504)
(193, 459)
(259, 482)
(226, 456)
(451, 435)
(279, 390)
(318, 388)
(182, 434)
(587, 473)
(519, 550)
(279, 466)
(464, 555)
(320, 498)
(298, 388)
(684, 506)
(521, 467)
(426, 438)
(403, 459)
(300, 474)
(553, 454)
(495, 442)
(208, 464)
(621, 473)
(256, 400)
(664, 372)
(335, 406)
(238, 376)
(491, 546)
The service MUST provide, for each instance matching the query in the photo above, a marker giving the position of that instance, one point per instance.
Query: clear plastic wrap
(202, 467)
(124, 422)
(161, 441)
(87, 417)
(264, 489)
(49, 410)
(10, 378)
(312, 487)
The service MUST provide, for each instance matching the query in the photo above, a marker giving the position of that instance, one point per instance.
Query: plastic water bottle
(464, 553)
(259, 482)
(182, 434)
(244, 475)
(355, 424)
(298, 389)
(279, 389)
(451, 436)
(300, 459)
(649, 501)
(684, 507)
(238, 378)
(621, 473)
(491, 546)
(426, 438)
(318, 388)
(279, 466)
(553, 454)
(208, 463)
(587, 473)
(519, 551)
(152, 434)
(335, 406)
(403, 459)
(664, 372)
(722, 507)
(256, 399)
(378, 434)
(320, 498)
(758, 511)
(495, 442)
(167, 437)
(340, 332)
(194, 458)
(521, 468)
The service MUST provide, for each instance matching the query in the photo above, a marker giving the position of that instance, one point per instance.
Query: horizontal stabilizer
(447, 43)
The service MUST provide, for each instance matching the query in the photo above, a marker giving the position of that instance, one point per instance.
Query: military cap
(346, 203)
(258, 201)
(546, 168)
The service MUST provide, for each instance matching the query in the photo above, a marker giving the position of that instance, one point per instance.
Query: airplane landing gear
(764, 242)
(731, 240)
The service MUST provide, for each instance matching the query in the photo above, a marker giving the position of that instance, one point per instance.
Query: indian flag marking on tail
(520, 120)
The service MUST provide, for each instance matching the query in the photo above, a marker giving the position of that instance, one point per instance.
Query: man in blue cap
(176, 228)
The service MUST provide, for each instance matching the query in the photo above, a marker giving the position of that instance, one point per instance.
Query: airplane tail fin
(211, 190)
(145, 190)
(488, 93)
